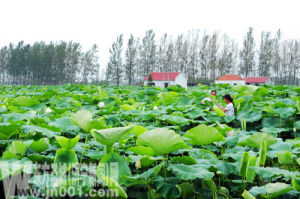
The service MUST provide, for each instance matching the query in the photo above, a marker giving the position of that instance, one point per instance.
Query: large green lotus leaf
(40, 145)
(37, 129)
(270, 172)
(97, 124)
(252, 116)
(190, 172)
(273, 130)
(285, 112)
(187, 160)
(203, 135)
(244, 164)
(127, 107)
(161, 140)
(255, 191)
(110, 136)
(137, 130)
(55, 186)
(82, 118)
(142, 150)
(66, 142)
(7, 130)
(115, 166)
(271, 122)
(218, 111)
(13, 167)
(202, 154)
(24, 101)
(167, 188)
(167, 98)
(247, 195)
(255, 140)
(145, 177)
(16, 150)
(65, 124)
(115, 187)
(41, 158)
(17, 116)
(223, 128)
(175, 120)
(297, 125)
(238, 88)
(261, 91)
(278, 147)
(276, 189)
(64, 161)
(285, 157)
(250, 173)
(296, 183)
(193, 114)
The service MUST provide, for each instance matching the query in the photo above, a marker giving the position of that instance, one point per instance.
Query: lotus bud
(219, 173)
(155, 108)
(138, 164)
(230, 133)
(48, 110)
(294, 129)
(101, 105)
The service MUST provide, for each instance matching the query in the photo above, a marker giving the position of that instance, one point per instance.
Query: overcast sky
(101, 21)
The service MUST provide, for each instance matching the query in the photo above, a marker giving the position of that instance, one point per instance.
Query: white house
(258, 80)
(230, 79)
(165, 79)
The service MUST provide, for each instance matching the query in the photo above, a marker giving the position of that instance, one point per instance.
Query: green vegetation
(165, 142)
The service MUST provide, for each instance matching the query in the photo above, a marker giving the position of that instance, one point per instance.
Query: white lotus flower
(48, 110)
(230, 133)
(155, 108)
(4, 107)
(101, 105)
(138, 164)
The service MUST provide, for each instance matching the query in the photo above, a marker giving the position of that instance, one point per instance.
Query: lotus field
(86, 141)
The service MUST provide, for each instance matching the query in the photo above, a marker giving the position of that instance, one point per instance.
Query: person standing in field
(213, 93)
(229, 109)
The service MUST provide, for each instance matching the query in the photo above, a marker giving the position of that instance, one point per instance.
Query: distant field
(147, 142)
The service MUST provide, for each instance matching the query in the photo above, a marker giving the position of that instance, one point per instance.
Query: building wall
(160, 84)
(180, 80)
(230, 82)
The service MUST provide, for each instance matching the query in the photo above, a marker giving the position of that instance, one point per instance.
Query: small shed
(165, 79)
(258, 80)
(230, 79)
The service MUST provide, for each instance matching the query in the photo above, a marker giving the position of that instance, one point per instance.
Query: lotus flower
(48, 110)
(230, 133)
(4, 107)
(101, 105)
(138, 164)
(155, 108)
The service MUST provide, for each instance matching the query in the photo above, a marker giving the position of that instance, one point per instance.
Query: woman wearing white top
(229, 109)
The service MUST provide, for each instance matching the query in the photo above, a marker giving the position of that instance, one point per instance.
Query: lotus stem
(86, 137)
(108, 149)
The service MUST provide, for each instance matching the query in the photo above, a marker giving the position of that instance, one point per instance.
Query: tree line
(204, 57)
(53, 63)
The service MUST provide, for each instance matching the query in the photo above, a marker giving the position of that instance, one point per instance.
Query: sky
(101, 21)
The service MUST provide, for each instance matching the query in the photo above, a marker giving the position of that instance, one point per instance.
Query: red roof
(161, 76)
(256, 79)
(230, 77)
